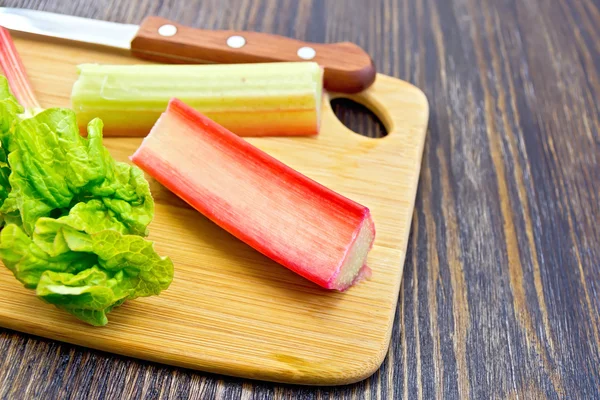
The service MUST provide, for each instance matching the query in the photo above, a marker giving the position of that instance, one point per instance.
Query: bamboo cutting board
(231, 310)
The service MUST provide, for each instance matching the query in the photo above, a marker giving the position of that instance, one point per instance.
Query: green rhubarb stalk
(266, 99)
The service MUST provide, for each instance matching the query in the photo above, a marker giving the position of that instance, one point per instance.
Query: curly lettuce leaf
(27, 260)
(148, 273)
(4, 174)
(74, 218)
(53, 168)
(9, 111)
(14, 244)
(129, 198)
(88, 295)
(93, 216)
(86, 274)
(125, 267)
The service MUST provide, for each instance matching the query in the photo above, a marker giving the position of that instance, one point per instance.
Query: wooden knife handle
(348, 68)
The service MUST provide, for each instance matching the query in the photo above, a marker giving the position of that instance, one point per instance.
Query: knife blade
(347, 67)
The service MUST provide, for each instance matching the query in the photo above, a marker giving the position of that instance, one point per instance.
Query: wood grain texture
(231, 310)
(348, 68)
(501, 290)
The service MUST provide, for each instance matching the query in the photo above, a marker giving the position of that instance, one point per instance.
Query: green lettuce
(54, 168)
(85, 274)
(9, 111)
(73, 218)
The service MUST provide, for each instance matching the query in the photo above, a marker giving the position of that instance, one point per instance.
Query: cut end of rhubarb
(354, 268)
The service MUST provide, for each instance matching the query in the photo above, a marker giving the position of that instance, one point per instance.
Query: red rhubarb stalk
(12, 67)
(299, 223)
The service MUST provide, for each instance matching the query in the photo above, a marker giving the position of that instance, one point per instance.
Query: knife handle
(347, 67)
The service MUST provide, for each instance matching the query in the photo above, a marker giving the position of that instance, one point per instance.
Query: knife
(347, 67)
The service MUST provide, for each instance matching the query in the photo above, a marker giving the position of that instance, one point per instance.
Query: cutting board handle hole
(358, 118)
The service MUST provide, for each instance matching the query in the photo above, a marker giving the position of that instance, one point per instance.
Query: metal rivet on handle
(167, 30)
(236, 42)
(306, 53)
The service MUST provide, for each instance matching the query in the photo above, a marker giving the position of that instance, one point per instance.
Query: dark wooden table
(501, 293)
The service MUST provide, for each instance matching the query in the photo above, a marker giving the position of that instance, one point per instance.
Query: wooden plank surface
(500, 297)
